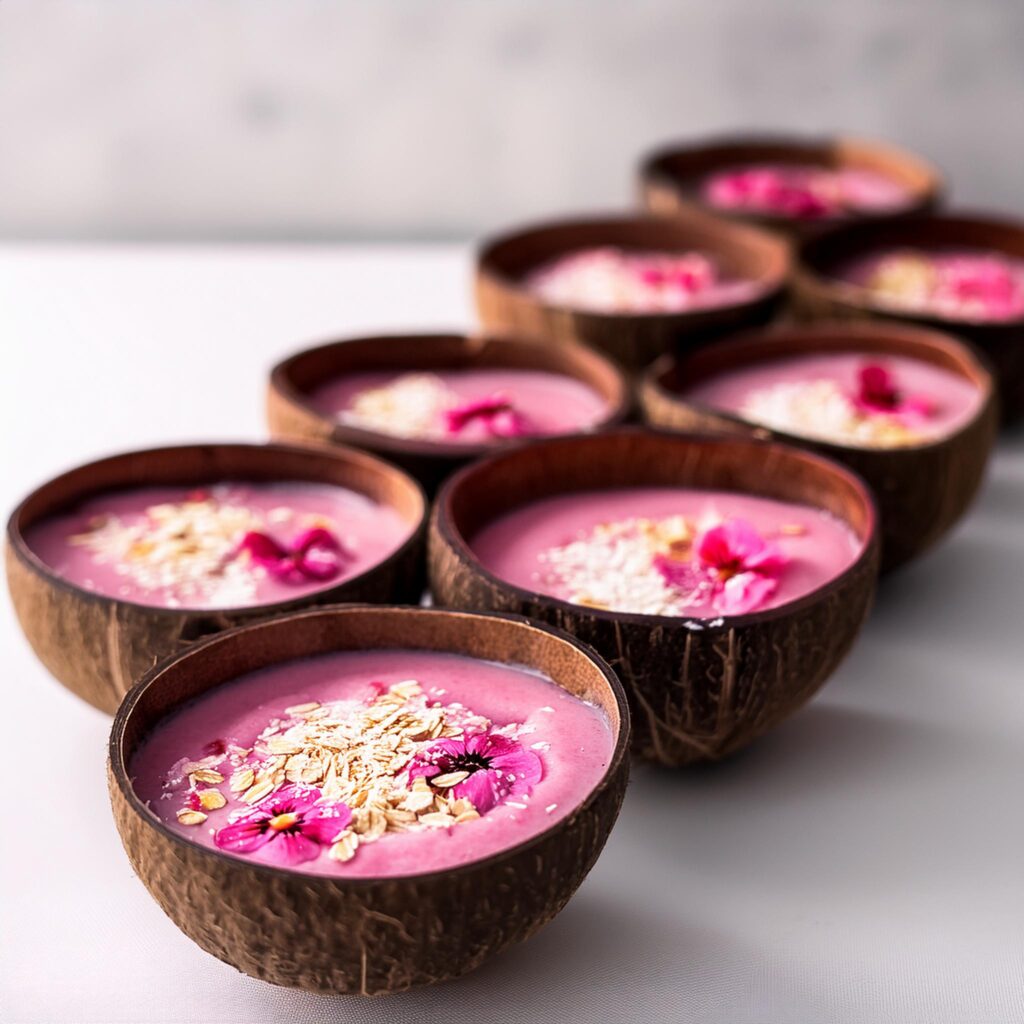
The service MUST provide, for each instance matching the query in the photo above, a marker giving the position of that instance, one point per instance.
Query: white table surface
(862, 864)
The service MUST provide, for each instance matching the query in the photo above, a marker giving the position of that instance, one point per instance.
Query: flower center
(280, 822)
(469, 763)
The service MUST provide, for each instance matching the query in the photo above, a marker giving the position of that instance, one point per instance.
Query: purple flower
(290, 823)
(878, 393)
(315, 554)
(498, 767)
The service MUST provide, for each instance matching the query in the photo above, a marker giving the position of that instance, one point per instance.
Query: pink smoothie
(555, 749)
(804, 191)
(818, 396)
(620, 281)
(487, 404)
(667, 551)
(177, 547)
(955, 284)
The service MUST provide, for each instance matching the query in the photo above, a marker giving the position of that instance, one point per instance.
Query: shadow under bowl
(670, 179)
(506, 303)
(292, 414)
(98, 646)
(818, 292)
(698, 690)
(364, 935)
(922, 490)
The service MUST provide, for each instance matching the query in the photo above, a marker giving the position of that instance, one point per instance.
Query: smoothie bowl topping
(215, 547)
(875, 412)
(671, 566)
(422, 405)
(327, 779)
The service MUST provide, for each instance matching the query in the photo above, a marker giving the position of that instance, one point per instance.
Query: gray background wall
(439, 118)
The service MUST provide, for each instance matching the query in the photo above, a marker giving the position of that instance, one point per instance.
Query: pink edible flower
(315, 554)
(878, 394)
(292, 824)
(498, 767)
(743, 567)
(499, 416)
(981, 281)
(794, 192)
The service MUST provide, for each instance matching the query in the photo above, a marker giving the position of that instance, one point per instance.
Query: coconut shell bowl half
(364, 935)
(293, 416)
(98, 646)
(819, 293)
(506, 304)
(698, 690)
(670, 179)
(921, 490)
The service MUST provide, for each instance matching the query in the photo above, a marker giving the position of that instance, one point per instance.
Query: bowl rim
(20, 548)
(653, 378)
(118, 763)
(815, 147)
(738, 234)
(441, 521)
(476, 342)
(809, 272)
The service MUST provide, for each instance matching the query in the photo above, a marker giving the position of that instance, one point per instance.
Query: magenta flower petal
(745, 593)
(290, 848)
(325, 824)
(244, 836)
(500, 417)
(480, 790)
(315, 554)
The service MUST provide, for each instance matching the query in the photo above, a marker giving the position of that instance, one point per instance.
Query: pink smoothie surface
(572, 739)
(953, 400)
(518, 546)
(804, 191)
(955, 284)
(548, 403)
(368, 532)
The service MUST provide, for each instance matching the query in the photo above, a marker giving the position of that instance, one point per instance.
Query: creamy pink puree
(804, 191)
(544, 403)
(572, 739)
(369, 533)
(953, 400)
(517, 546)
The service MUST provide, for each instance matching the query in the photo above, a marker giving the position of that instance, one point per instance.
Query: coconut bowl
(819, 294)
(922, 490)
(506, 304)
(670, 178)
(698, 690)
(364, 935)
(292, 415)
(98, 646)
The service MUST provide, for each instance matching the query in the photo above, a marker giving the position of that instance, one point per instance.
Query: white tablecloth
(863, 863)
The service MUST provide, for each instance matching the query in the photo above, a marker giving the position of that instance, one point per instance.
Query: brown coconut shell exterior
(670, 178)
(817, 294)
(921, 490)
(505, 304)
(291, 415)
(368, 936)
(98, 646)
(697, 691)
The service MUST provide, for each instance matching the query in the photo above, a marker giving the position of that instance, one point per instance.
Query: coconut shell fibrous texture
(364, 935)
(506, 304)
(699, 690)
(670, 178)
(921, 490)
(292, 415)
(819, 293)
(98, 646)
